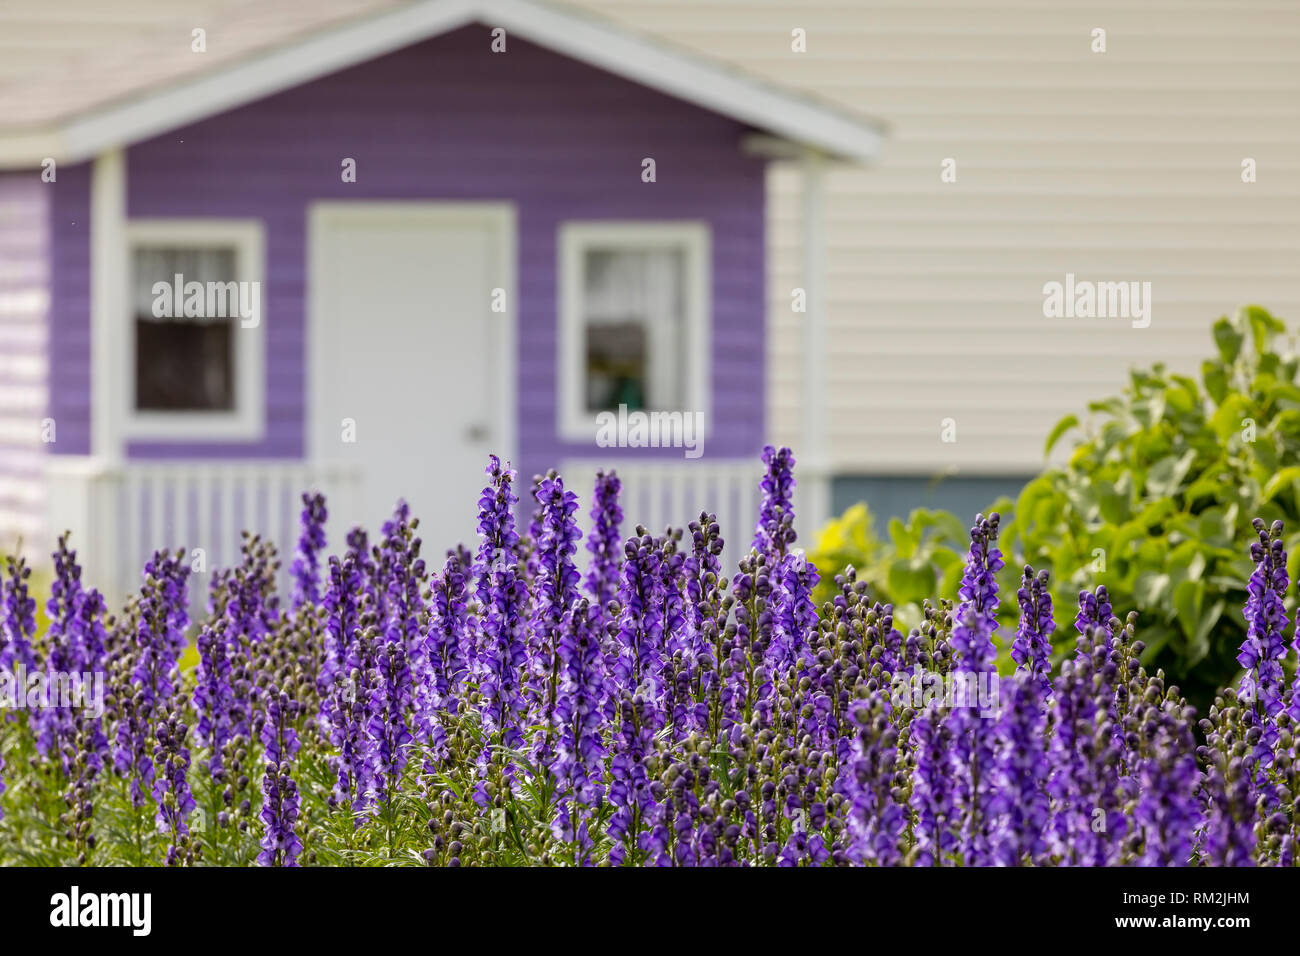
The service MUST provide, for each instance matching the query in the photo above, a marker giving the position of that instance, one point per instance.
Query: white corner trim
(108, 267)
(500, 216)
(573, 422)
(584, 37)
(247, 422)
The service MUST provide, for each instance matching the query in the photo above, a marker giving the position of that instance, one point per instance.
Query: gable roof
(151, 81)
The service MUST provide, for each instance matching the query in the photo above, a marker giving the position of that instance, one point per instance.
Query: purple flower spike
(1094, 618)
(17, 619)
(975, 666)
(214, 695)
(1032, 648)
(1019, 806)
(578, 718)
(501, 656)
(1264, 648)
(311, 542)
(280, 801)
(876, 819)
(775, 532)
(604, 542)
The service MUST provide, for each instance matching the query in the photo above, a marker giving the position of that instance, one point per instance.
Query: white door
(411, 366)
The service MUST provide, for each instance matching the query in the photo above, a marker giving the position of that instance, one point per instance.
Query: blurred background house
(1017, 145)
(1114, 166)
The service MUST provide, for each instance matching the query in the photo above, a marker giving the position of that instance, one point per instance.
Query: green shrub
(1162, 483)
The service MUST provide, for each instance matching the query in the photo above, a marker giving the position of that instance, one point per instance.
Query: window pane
(634, 317)
(183, 363)
(184, 366)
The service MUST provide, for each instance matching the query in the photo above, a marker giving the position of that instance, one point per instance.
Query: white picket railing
(673, 493)
(120, 515)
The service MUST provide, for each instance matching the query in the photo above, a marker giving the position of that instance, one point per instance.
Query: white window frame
(247, 420)
(575, 423)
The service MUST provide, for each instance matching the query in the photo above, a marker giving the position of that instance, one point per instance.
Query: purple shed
(362, 251)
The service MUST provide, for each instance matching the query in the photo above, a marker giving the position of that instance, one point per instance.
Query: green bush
(1159, 491)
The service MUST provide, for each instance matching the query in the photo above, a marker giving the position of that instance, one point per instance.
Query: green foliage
(1154, 502)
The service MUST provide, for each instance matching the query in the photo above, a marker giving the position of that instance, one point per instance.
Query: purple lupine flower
(1070, 782)
(1032, 648)
(1167, 811)
(1094, 613)
(1264, 648)
(154, 678)
(280, 802)
(555, 588)
(403, 607)
(359, 550)
(446, 655)
(976, 663)
(876, 819)
(252, 613)
(1229, 837)
(342, 619)
(311, 542)
(501, 655)
(171, 788)
(604, 542)
(353, 689)
(578, 718)
(76, 651)
(630, 789)
(639, 639)
(794, 612)
(775, 531)
(399, 650)
(161, 627)
(214, 695)
(749, 689)
(17, 619)
(390, 700)
(681, 643)
(1019, 806)
(252, 606)
(932, 796)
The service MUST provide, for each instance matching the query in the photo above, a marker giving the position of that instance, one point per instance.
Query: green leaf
(1228, 339)
(911, 581)
(1059, 429)
(1216, 381)
(1187, 606)
(905, 539)
(1150, 589)
(1199, 645)
(1166, 476)
(1279, 481)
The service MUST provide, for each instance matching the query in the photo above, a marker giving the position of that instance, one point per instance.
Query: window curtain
(645, 286)
(153, 264)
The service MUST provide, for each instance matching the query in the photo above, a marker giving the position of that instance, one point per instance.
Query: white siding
(1117, 166)
(24, 304)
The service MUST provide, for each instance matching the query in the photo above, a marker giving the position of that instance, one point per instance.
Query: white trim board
(501, 216)
(788, 115)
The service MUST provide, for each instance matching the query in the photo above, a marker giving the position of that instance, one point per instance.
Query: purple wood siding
(24, 337)
(448, 119)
